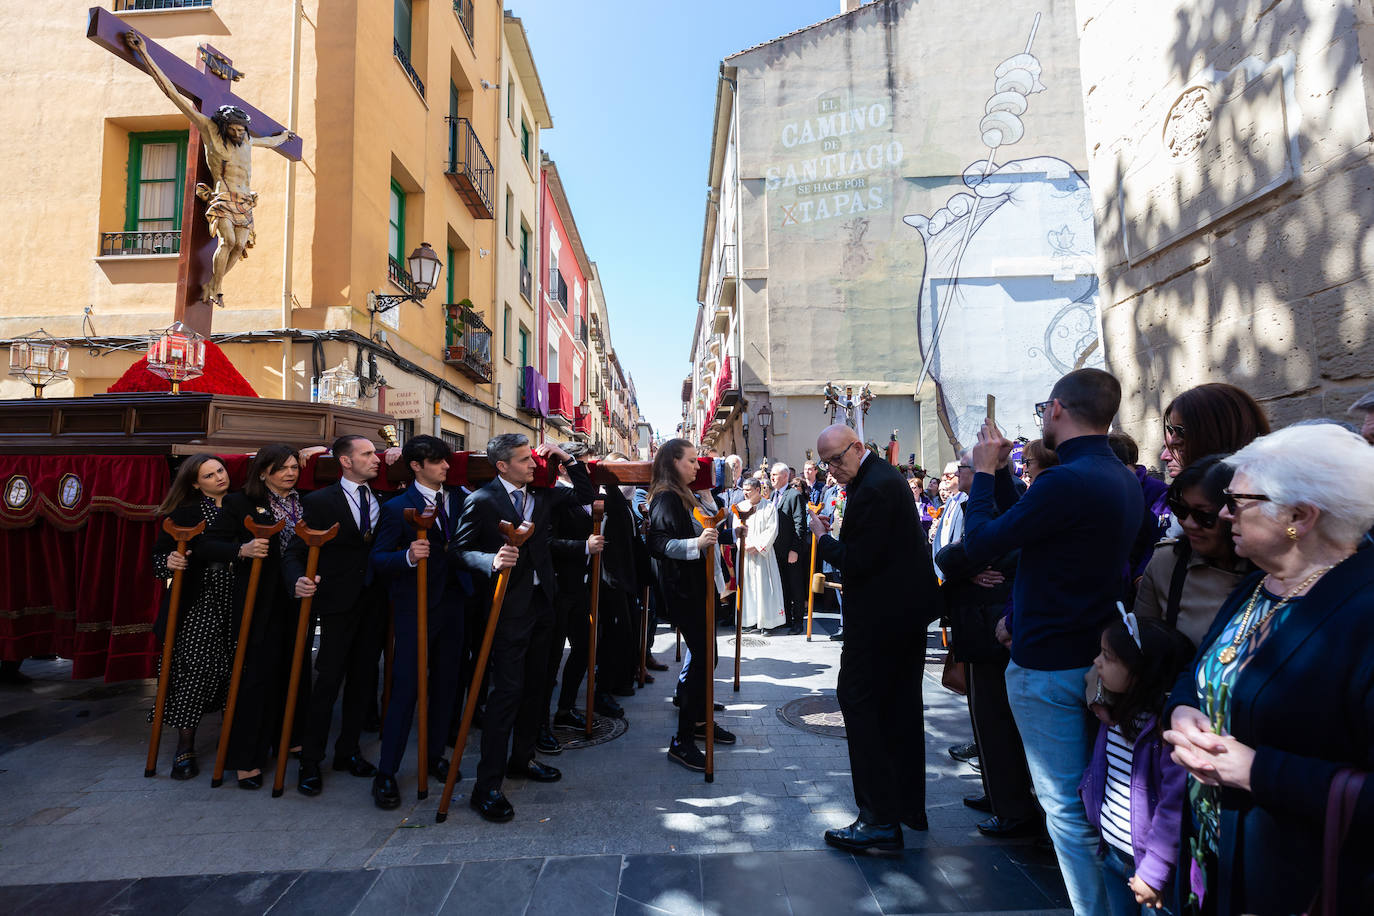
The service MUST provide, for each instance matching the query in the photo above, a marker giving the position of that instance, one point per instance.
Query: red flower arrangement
(220, 377)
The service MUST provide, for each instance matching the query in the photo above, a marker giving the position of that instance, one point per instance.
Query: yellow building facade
(402, 107)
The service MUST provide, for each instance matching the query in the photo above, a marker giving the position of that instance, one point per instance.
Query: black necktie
(441, 512)
(364, 512)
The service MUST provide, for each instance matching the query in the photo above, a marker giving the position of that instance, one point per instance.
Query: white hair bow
(1132, 625)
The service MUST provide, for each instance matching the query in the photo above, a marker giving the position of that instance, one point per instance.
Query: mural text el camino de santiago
(837, 153)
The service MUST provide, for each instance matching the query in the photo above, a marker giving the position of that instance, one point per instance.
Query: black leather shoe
(492, 806)
(308, 779)
(654, 664)
(861, 837)
(963, 752)
(917, 821)
(185, 766)
(251, 782)
(438, 768)
(546, 743)
(979, 803)
(533, 769)
(607, 706)
(356, 766)
(385, 792)
(722, 736)
(687, 754)
(1010, 828)
(570, 718)
(837, 636)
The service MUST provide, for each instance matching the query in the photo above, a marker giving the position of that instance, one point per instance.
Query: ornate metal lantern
(38, 359)
(339, 386)
(178, 355)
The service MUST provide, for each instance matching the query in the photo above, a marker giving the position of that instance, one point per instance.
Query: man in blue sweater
(1074, 529)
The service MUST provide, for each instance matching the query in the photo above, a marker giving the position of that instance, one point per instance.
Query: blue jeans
(1059, 733)
(1117, 869)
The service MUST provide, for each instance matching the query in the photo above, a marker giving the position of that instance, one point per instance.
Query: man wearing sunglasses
(1074, 529)
(890, 597)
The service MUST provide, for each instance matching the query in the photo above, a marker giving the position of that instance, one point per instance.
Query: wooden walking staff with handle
(598, 516)
(182, 536)
(811, 576)
(314, 540)
(262, 532)
(423, 521)
(739, 584)
(708, 522)
(514, 537)
(643, 637)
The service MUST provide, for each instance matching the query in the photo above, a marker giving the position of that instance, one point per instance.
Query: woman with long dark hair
(678, 544)
(203, 647)
(268, 496)
(1215, 418)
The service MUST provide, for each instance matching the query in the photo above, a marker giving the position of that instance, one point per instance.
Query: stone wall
(1229, 157)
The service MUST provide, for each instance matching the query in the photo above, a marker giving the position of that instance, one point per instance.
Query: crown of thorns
(232, 114)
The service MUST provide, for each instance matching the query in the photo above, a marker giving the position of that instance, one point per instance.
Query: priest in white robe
(762, 604)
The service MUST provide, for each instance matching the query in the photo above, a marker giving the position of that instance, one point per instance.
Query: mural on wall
(1008, 295)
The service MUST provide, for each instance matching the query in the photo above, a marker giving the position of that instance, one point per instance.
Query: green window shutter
(156, 182)
(524, 246)
(524, 139)
(402, 22)
(450, 275)
(505, 333)
(397, 238)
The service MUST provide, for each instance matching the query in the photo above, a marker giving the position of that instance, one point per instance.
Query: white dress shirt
(374, 507)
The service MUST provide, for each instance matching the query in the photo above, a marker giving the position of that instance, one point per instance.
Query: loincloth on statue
(235, 207)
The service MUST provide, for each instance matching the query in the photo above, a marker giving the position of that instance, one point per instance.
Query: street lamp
(424, 267)
(765, 421)
(177, 355)
(339, 386)
(38, 359)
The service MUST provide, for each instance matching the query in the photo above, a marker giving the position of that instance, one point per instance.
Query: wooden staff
(314, 540)
(182, 536)
(678, 656)
(422, 521)
(255, 573)
(644, 637)
(598, 515)
(710, 521)
(514, 537)
(739, 585)
(811, 592)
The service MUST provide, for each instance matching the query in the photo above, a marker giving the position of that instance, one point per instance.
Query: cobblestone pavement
(625, 831)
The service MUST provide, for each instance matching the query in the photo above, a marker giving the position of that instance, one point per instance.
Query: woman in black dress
(677, 544)
(203, 651)
(268, 496)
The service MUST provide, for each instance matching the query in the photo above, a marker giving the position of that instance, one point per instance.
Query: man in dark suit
(792, 542)
(890, 598)
(521, 648)
(395, 555)
(351, 609)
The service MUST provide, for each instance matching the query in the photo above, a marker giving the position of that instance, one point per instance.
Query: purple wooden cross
(209, 87)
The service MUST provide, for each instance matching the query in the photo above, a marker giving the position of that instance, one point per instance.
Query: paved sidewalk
(76, 808)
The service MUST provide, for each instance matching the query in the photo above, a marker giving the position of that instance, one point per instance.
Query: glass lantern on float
(339, 386)
(39, 359)
(178, 355)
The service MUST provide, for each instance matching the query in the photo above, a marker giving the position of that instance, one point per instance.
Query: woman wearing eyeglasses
(1280, 697)
(1186, 586)
(1211, 419)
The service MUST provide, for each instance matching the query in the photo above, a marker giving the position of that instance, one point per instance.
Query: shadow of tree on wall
(1274, 297)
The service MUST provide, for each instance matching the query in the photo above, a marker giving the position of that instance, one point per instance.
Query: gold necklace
(1228, 654)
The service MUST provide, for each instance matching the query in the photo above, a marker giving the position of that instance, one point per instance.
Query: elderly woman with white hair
(1280, 698)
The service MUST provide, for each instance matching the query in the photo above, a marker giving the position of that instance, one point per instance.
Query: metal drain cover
(604, 729)
(819, 715)
(753, 642)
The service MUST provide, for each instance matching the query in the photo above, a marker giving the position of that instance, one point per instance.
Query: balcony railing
(400, 276)
(580, 329)
(467, 342)
(729, 268)
(469, 169)
(131, 6)
(463, 10)
(526, 282)
(131, 243)
(582, 423)
(561, 401)
(558, 288)
(405, 65)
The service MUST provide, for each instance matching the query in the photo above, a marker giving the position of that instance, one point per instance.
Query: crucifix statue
(228, 128)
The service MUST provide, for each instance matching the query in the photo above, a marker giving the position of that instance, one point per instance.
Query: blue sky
(631, 87)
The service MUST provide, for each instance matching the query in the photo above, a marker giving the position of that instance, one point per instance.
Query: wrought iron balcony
(580, 329)
(463, 10)
(132, 243)
(400, 276)
(526, 282)
(558, 288)
(469, 169)
(131, 6)
(467, 342)
(405, 65)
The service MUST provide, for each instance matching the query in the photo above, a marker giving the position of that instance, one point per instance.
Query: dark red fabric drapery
(76, 534)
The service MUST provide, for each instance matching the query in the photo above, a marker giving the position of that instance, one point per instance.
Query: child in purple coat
(1133, 791)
